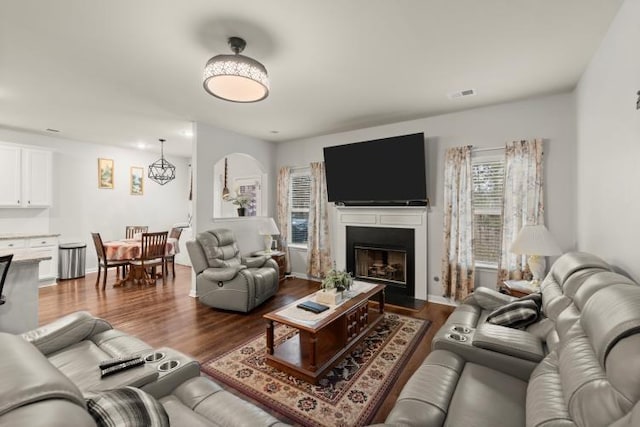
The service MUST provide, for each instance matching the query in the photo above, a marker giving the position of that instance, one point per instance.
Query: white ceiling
(128, 71)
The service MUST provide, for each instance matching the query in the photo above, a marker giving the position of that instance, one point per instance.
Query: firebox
(387, 265)
(384, 255)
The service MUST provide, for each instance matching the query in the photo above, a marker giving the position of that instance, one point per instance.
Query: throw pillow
(126, 407)
(535, 297)
(516, 314)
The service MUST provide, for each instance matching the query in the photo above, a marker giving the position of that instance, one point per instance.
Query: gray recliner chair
(226, 280)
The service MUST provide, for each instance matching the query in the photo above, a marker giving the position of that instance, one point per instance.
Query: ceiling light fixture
(236, 78)
(161, 171)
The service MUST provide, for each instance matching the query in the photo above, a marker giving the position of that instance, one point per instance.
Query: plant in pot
(242, 201)
(333, 285)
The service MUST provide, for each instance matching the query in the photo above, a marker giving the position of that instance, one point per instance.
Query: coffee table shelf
(311, 353)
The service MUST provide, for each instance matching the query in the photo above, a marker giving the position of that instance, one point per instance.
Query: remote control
(116, 361)
(121, 367)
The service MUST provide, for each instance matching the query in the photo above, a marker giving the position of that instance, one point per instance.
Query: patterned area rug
(348, 396)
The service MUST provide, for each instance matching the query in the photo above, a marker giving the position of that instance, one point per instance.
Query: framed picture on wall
(105, 173)
(136, 181)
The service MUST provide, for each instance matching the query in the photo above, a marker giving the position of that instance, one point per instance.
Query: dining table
(130, 249)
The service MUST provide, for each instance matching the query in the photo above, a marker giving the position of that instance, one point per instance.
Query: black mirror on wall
(638, 101)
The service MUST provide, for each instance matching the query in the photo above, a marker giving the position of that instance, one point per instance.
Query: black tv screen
(389, 170)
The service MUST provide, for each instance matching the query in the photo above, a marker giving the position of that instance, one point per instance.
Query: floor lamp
(536, 242)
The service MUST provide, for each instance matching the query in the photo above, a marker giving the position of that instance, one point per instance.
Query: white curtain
(523, 201)
(282, 214)
(319, 242)
(457, 257)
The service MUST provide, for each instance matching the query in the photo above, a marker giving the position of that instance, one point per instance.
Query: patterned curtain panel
(457, 255)
(319, 245)
(523, 201)
(282, 208)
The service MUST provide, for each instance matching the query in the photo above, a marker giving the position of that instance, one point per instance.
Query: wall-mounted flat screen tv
(378, 172)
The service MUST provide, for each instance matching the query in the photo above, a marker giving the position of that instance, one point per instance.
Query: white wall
(608, 127)
(551, 118)
(210, 145)
(80, 208)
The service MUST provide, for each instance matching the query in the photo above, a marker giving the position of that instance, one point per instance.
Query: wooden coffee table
(324, 339)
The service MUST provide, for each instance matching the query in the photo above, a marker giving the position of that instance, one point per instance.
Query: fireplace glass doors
(385, 265)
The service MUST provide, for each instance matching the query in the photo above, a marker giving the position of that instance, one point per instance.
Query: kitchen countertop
(11, 236)
(25, 256)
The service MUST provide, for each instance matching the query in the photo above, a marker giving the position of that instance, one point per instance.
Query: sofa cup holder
(456, 337)
(156, 356)
(459, 329)
(169, 365)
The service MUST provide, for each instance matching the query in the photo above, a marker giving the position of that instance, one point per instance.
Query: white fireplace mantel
(389, 217)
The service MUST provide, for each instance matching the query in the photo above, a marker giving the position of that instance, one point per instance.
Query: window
(488, 183)
(299, 197)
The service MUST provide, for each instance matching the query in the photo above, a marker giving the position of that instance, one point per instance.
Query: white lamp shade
(535, 240)
(268, 228)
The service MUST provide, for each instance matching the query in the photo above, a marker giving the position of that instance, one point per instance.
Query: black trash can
(71, 260)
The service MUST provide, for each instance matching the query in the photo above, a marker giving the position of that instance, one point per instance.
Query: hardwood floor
(165, 316)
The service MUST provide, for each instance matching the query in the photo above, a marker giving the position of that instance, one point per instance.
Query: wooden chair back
(97, 242)
(175, 233)
(5, 262)
(132, 230)
(153, 245)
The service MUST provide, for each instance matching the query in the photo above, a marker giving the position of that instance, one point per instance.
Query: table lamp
(536, 242)
(267, 229)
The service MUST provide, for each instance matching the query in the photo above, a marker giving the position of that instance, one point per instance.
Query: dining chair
(154, 246)
(5, 262)
(174, 234)
(103, 262)
(131, 230)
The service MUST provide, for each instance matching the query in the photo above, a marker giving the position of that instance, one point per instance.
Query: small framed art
(105, 173)
(136, 181)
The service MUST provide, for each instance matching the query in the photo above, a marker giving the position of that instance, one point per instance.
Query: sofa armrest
(488, 299)
(223, 274)
(28, 377)
(256, 261)
(66, 331)
(513, 342)
(207, 399)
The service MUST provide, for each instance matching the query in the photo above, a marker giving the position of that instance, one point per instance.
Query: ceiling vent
(462, 93)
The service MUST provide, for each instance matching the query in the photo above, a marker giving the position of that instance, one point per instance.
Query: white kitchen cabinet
(48, 269)
(10, 170)
(26, 175)
(36, 178)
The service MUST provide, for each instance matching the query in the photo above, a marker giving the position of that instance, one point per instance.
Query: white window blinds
(488, 186)
(300, 194)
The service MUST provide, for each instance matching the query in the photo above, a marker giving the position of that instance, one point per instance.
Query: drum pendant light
(236, 78)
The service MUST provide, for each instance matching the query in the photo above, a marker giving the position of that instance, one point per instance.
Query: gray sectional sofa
(47, 375)
(577, 366)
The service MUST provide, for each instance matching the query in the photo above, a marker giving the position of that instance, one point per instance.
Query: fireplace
(383, 255)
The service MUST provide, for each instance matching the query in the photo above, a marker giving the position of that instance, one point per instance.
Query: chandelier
(161, 171)
(236, 78)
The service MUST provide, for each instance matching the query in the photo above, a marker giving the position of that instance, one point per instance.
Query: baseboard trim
(442, 300)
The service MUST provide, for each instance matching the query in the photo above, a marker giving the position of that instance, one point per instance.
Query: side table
(519, 288)
(279, 257)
